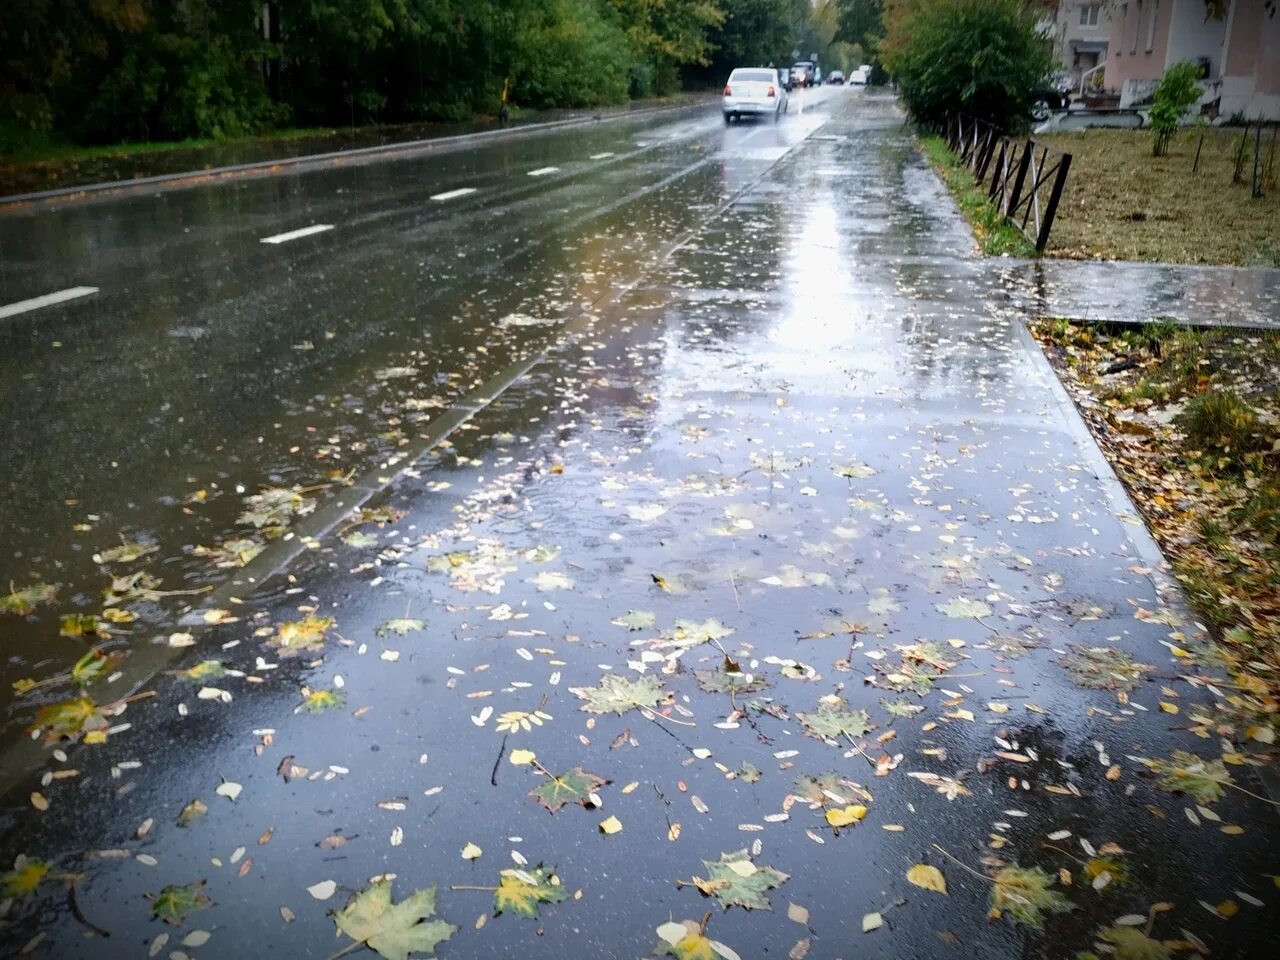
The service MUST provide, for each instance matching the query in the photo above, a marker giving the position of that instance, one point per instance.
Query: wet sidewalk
(785, 598)
(1137, 292)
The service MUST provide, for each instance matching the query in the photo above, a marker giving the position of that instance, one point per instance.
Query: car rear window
(753, 76)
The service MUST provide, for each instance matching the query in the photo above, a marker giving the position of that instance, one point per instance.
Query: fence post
(1059, 182)
(1001, 175)
(984, 160)
(1257, 149)
(1024, 162)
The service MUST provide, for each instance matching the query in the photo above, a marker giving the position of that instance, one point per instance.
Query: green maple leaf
(204, 670)
(617, 694)
(92, 666)
(273, 507)
(25, 877)
(360, 539)
(1131, 943)
(24, 601)
(576, 786)
(1026, 894)
(318, 701)
(68, 719)
(961, 608)
(737, 882)
(520, 891)
(833, 719)
(901, 708)
(1186, 773)
(394, 930)
(172, 904)
(636, 620)
(1103, 668)
(722, 679)
(125, 553)
(298, 636)
(401, 627)
(687, 634)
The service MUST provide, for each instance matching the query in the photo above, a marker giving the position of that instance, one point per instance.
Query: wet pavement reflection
(783, 530)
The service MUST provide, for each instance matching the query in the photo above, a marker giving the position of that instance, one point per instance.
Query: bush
(985, 58)
(1221, 423)
(1171, 102)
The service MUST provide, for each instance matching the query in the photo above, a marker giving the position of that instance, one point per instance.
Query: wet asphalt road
(759, 384)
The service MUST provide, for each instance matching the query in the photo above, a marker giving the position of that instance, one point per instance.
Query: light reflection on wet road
(810, 422)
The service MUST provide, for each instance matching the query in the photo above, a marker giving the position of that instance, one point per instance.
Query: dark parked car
(835, 78)
(1044, 103)
(1054, 94)
(802, 73)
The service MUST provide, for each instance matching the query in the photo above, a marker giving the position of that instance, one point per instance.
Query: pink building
(1239, 52)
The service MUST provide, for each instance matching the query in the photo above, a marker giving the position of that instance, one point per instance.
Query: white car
(753, 91)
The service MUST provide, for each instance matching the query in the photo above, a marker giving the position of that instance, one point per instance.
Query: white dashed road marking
(542, 171)
(295, 234)
(48, 300)
(453, 194)
(601, 156)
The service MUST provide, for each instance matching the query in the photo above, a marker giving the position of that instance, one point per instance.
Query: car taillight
(728, 91)
(773, 92)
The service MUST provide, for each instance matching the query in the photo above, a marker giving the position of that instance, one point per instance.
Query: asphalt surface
(747, 379)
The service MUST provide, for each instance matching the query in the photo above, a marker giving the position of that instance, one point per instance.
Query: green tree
(753, 33)
(1171, 102)
(980, 57)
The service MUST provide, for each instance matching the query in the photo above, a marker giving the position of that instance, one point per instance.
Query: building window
(1151, 25)
(1089, 14)
(1137, 24)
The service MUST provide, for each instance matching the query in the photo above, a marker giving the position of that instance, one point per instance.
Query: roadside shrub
(573, 57)
(1220, 422)
(1171, 102)
(985, 58)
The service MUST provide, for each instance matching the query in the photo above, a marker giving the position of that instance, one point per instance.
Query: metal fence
(1024, 177)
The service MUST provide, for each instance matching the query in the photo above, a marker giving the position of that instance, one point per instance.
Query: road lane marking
(48, 300)
(542, 171)
(453, 194)
(295, 234)
(601, 156)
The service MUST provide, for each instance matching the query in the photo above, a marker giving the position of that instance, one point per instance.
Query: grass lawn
(1190, 419)
(994, 233)
(1122, 203)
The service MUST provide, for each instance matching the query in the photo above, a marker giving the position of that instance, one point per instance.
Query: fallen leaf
(927, 877)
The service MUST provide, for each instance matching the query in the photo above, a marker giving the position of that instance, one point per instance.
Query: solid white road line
(295, 234)
(601, 156)
(451, 194)
(48, 300)
(542, 171)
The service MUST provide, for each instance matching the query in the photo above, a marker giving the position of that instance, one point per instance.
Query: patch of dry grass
(1122, 203)
(1190, 419)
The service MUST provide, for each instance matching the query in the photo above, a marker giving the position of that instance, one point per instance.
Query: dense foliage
(984, 58)
(105, 71)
